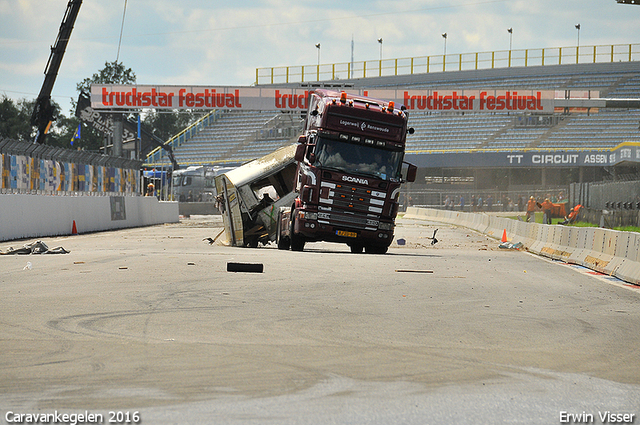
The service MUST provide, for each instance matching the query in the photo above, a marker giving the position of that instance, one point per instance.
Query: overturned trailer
(250, 197)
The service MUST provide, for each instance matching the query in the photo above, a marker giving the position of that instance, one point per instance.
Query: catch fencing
(30, 168)
(492, 200)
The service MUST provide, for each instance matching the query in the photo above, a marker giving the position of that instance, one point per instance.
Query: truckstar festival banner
(128, 97)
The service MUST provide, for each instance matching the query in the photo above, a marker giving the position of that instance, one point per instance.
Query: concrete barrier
(539, 239)
(629, 269)
(595, 258)
(607, 251)
(620, 254)
(33, 216)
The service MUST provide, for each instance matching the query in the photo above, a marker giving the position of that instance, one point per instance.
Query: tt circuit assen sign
(288, 99)
(627, 152)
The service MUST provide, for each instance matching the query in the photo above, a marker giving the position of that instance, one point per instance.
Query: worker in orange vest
(573, 215)
(531, 208)
(546, 209)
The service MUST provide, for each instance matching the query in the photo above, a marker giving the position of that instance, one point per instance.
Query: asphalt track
(148, 321)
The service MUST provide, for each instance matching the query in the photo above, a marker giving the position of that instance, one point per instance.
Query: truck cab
(350, 163)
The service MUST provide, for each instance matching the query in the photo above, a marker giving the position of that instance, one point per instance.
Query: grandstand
(231, 138)
(440, 138)
(236, 136)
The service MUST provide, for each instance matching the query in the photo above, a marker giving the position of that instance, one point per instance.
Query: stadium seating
(239, 136)
(236, 137)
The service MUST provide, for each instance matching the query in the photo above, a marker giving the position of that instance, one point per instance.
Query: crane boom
(43, 111)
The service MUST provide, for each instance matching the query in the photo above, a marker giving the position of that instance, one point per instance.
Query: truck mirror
(312, 158)
(300, 149)
(412, 170)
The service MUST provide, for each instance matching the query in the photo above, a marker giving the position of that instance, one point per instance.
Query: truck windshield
(357, 159)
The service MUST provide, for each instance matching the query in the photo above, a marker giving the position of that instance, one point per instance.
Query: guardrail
(449, 62)
(611, 252)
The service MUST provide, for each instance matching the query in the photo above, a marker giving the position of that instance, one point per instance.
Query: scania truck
(350, 167)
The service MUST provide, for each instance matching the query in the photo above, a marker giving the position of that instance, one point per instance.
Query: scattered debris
(509, 245)
(245, 267)
(413, 271)
(433, 238)
(191, 263)
(29, 266)
(212, 241)
(434, 241)
(37, 247)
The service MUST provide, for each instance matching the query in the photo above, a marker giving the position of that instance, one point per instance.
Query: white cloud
(220, 42)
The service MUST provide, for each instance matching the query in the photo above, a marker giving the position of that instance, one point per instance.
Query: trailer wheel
(297, 241)
(252, 242)
(282, 242)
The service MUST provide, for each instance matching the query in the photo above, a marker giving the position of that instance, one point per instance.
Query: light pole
(444, 55)
(444, 35)
(380, 41)
(510, 31)
(578, 44)
(318, 70)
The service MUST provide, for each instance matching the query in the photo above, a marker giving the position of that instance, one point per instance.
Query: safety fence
(449, 62)
(485, 200)
(611, 252)
(28, 168)
(613, 195)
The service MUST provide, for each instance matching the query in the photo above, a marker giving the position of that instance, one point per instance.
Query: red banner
(127, 97)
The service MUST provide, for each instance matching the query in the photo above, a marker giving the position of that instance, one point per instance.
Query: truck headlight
(309, 215)
(385, 226)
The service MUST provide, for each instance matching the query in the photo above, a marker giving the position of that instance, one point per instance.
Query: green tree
(113, 73)
(15, 123)
(14, 120)
(162, 124)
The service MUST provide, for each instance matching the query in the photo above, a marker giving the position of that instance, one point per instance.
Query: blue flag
(77, 134)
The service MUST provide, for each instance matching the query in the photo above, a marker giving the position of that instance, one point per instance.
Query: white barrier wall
(32, 216)
(607, 251)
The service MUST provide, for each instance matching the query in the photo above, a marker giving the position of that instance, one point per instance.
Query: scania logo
(355, 180)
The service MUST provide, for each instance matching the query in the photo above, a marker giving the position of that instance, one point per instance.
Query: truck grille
(343, 205)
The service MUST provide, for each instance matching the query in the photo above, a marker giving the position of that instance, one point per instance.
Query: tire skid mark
(91, 324)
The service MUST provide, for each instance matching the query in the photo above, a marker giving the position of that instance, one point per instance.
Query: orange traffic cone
(74, 229)
(504, 236)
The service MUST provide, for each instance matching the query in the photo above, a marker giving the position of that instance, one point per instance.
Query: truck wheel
(297, 241)
(284, 243)
(373, 249)
(356, 248)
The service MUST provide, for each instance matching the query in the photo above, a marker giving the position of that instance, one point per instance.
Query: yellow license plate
(347, 234)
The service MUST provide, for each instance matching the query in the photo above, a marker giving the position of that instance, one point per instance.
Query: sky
(221, 43)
